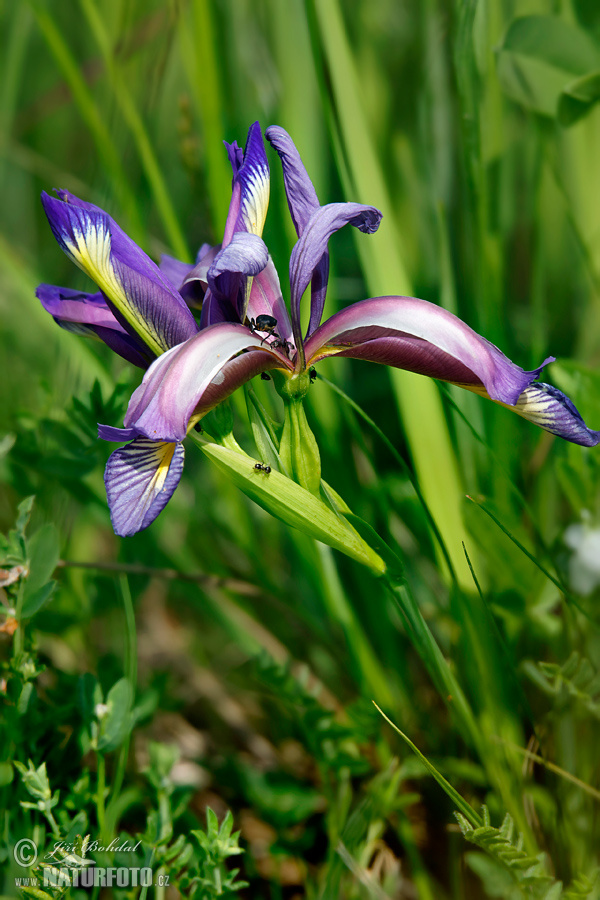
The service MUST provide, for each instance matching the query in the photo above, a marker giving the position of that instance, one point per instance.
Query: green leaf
(115, 722)
(43, 553)
(294, 505)
(33, 602)
(24, 509)
(540, 57)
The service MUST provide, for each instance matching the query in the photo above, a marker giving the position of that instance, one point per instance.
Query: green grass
(235, 660)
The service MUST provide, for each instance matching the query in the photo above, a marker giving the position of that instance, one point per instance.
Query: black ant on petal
(264, 323)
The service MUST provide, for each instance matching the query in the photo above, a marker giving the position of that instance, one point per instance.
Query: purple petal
(546, 406)
(301, 195)
(303, 202)
(235, 155)
(174, 270)
(143, 300)
(250, 197)
(311, 246)
(244, 256)
(89, 314)
(193, 287)
(421, 337)
(233, 375)
(140, 479)
(173, 386)
(117, 435)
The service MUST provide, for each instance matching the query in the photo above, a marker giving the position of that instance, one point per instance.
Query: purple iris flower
(245, 328)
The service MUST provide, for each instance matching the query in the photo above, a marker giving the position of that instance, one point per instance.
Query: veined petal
(303, 202)
(546, 406)
(89, 314)
(250, 196)
(420, 337)
(311, 246)
(140, 479)
(173, 386)
(142, 298)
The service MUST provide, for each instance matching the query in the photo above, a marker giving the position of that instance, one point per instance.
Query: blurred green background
(474, 127)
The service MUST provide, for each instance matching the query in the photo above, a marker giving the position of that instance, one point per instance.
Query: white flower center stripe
(91, 251)
(255, 200)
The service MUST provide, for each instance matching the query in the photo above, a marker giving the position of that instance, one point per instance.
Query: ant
(262, 468)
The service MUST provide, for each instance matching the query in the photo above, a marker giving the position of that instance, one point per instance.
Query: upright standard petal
(173, 386)
(140, 480)
(143, 300)
(300, 192)
(89, 314)
(250, 196)
(303, 202)
(309, 249)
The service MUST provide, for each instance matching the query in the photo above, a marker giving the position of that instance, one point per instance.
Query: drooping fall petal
(140, 479)
(173, 386)
(89, 314)
(421, 337)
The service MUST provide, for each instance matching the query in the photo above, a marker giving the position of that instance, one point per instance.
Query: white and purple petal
(546, 406)
(246, 255)
(250, 195)
(140, 480)
(308, 252)
(174, 385)
(142, 298)
(420, 337)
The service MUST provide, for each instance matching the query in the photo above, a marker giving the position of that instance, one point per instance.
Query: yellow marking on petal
(165, 453)
(92, 253)
(256, 201)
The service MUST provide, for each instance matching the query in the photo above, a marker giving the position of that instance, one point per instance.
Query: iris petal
(303, 202)
(142, 298)
(420, 337)
(162, 406)
(89, 315)
(140, 480)
(311, 246)
(546, 406)
(250, 197)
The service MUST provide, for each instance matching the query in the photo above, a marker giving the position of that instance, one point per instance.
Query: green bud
(288, 501)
